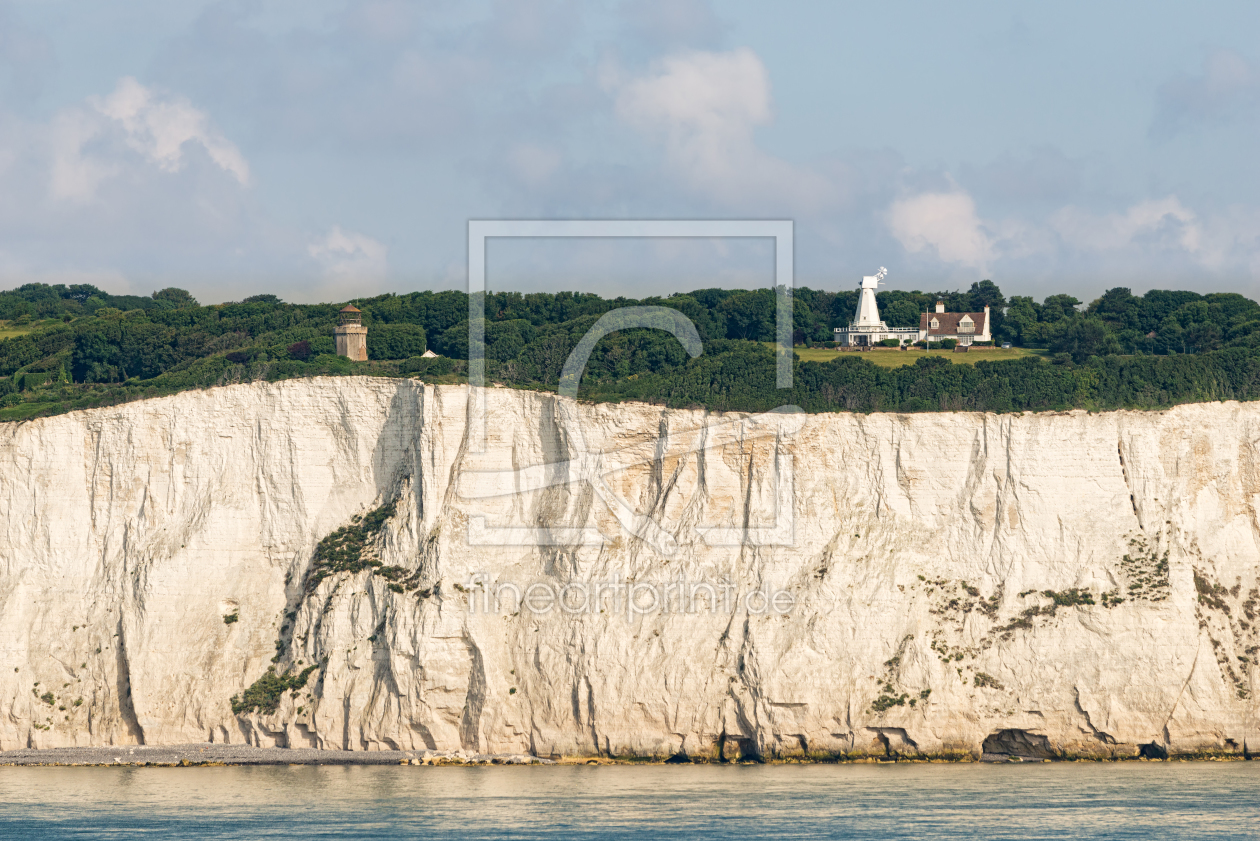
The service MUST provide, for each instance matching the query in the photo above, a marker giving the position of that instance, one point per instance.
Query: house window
(935, 324)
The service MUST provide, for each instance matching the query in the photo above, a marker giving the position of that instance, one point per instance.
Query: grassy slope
(893, 358)
(9, 330)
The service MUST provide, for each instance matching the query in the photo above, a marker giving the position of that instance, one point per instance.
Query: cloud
(1228, 86)
(1154, 236)
(258, 124)
(704, 107)
(159, 128)
(1166, 230)
(946, 223)
(347, 255)
(1156, 224)
(1043, 175)
(133, 182)
(73, 175)
(700, 93)
(377, 76)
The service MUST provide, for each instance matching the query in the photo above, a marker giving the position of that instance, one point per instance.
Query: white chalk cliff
(1060, 583)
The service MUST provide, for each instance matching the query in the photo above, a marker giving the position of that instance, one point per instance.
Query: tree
(1058, 307)
(395, 341)
(177, 297)
(809, 326)
(82, 291)
(1083, 338)
(985, 293)
(750, 315)
(1021, 315)
(1170, 338)
(901, 313)
(1119, 308)
(1203, 336)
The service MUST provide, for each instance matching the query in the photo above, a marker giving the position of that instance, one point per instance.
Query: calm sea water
(1132, 800)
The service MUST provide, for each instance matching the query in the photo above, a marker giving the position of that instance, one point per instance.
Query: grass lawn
(8, 329)
(892, 357)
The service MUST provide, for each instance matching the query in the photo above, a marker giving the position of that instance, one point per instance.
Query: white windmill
(867, 310)
(867, 328)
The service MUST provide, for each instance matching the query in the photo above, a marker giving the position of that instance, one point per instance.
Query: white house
(963, 327)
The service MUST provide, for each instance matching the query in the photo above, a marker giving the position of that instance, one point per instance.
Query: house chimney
(940, 306)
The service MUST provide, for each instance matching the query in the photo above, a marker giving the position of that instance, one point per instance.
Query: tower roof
(350, 308)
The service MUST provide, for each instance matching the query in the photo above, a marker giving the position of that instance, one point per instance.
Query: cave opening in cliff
(1017, 744)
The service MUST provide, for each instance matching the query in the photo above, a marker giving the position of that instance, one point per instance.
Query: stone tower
(351, 334)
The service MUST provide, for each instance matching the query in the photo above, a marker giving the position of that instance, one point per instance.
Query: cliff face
(1033, 584)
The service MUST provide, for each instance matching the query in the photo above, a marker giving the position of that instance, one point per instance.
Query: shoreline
(209, 754)
(220, 755)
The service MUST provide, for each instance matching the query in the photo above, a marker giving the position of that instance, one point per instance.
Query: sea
(1183, 800)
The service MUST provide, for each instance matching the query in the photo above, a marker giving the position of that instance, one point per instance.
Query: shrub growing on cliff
(348, 549)
(987, 681)
(1070, 598)
(264, 695)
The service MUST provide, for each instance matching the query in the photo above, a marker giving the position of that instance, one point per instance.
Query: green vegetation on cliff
(265, 693)
(69, 347)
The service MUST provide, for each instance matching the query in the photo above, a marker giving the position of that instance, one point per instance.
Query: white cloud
(158, 128)
(700, 93)
(1224, 240)
(1230, 239)
(946, 223)
(136, 183)
(1160, 234)
(75, 176)
(1162, 223)
(347, 255)
(704, 106)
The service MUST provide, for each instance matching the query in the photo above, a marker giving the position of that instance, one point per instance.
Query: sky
(323, 150)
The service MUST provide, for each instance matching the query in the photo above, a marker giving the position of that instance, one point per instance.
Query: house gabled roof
(949, 322)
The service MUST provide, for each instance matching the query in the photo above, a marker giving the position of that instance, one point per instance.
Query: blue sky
(324, 150)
